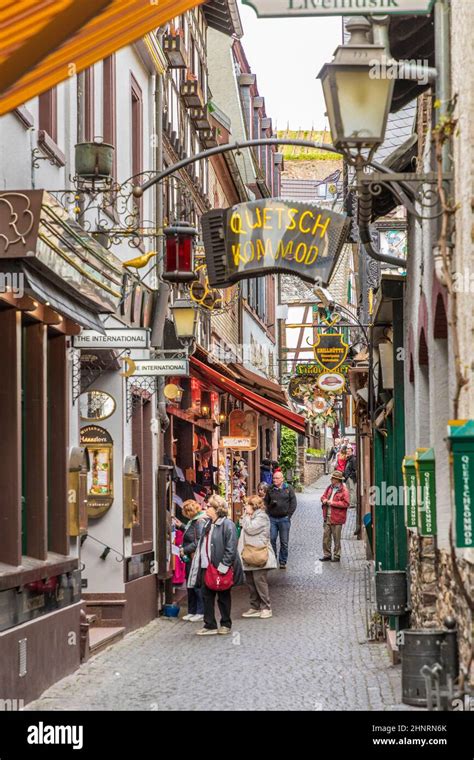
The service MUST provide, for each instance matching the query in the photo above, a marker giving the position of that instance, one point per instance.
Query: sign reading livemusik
(271, 235)
(276, 8)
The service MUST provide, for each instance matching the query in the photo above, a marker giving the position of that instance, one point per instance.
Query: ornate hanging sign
(330, 350)
(271, 235)
(244, 424)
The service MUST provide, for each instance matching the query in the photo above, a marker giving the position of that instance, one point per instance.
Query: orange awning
(43, 42)
(255, 400)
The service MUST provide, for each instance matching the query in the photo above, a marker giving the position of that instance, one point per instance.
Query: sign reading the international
(122, 337)
(276, 8)
(270, 235)
(160, 367)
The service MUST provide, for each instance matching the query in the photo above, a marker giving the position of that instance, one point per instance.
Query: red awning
(254, 400)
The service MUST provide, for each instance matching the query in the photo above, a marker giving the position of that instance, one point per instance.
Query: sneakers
(223, 631)
(188, 616)
(266, 614)
(196, 618)
(251, 613)
(207, 632)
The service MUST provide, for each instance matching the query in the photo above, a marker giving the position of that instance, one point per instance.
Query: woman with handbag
(193, 529)
(257, 556)
(216, 567)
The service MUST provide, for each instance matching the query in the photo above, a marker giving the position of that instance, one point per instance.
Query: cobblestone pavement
(312, 655)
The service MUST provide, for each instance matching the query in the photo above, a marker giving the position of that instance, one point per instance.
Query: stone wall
(311, 472)
(450, 601)
(435, 594)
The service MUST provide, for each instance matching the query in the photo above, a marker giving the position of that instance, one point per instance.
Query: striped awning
(43, 42)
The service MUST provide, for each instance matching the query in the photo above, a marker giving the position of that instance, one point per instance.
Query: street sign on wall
(461, 438)
(155, 367)
(410, 492)
(121, 337)
(271, 235)
(278, 8)
(426, 482)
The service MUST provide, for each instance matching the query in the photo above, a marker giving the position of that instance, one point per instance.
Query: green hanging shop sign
(426, 496)
(461, 440)
(410, 492)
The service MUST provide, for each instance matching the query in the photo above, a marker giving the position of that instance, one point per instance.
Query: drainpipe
(443, 66)
(162, 304)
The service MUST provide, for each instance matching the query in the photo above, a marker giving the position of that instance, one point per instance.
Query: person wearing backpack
(280, 501)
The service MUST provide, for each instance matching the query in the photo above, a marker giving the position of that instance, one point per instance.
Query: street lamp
(185, 320)
(179, 255)
(358, 96)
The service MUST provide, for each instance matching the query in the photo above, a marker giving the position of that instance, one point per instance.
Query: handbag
(255, 556)
(215, 580)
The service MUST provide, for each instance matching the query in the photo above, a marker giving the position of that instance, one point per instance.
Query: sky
(286, 55)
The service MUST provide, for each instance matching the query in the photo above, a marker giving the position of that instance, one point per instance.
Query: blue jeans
(281, 526)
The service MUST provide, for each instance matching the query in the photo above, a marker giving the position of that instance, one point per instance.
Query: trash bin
(418, 648)
(391, 592)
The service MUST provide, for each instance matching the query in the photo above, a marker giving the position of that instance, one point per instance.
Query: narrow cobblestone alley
(312, 655)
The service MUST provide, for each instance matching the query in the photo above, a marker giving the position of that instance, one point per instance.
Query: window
(137, 127)
(48, 113)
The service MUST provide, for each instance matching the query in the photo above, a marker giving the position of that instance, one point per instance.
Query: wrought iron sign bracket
(77, 386)
(412, 190)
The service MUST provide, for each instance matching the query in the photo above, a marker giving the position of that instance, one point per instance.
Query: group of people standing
(218, 559)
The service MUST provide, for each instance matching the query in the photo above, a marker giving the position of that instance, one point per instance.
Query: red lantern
(179, 257)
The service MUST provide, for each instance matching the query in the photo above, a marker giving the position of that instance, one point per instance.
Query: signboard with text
(330, 350)
(297, 8)
(271, 235)
(122, 337)
(238, 444)
(160, 367)
(461, 438)
(426, 491)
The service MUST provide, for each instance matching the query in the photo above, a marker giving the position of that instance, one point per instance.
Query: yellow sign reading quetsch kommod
(271, 235)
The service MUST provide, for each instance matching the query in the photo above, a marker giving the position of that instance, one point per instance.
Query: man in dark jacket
(280, 501)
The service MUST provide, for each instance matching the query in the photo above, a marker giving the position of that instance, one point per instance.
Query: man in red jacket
(335, 501)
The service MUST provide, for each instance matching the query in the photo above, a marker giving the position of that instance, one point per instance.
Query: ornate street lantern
(179, 255)
(357, 91)
(185, 320)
